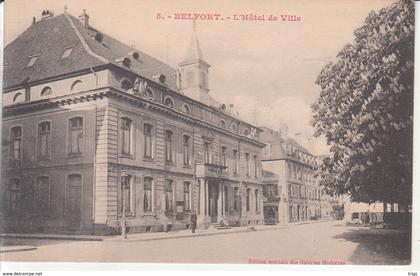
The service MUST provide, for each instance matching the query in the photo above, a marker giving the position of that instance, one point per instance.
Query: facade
(94, 130)
(291, 189)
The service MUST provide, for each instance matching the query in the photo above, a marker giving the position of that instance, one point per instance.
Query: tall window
(248, 164)
(126, 136)
(44, 139)
(236, 199)
(223, 157)
(186, 149)
(248, 199)
(126, 194)
(206, 152)
(257, 205)
(42, 194)
(169, 195)
(148, 199)
(226, 198)
(148, 141)
(169, 146)
(16, 143)
(235, 162)
(187, 202)
(14, 194)
(255, 166)
(76, 135)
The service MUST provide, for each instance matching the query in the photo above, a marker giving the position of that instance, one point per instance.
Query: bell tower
(193, 72)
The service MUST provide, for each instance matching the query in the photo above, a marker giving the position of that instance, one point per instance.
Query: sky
(267, 69)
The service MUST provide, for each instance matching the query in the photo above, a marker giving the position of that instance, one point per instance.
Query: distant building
(94, 129)
(291, 189)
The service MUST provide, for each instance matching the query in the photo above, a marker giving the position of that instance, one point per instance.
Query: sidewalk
(53, 237)
(6, 249)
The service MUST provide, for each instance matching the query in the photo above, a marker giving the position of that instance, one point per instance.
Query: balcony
(211, 170)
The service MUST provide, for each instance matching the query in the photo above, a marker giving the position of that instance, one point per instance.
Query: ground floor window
(147, 200)
(15, 194)
(187, 202)
(126, 194)
(236, 200)
(169, 195)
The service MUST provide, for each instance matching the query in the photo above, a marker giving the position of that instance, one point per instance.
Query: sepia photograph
(261, 133)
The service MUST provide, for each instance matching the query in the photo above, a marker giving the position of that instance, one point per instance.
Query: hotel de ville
(95, 132)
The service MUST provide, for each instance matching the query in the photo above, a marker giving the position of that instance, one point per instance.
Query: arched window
(186, 109)
(76, 86)
(234, 128)
(18, 98)
(16, 144)
(46, 91)
(149, 92)
(246, 131)
(222, 123)
(168, 102)
(75, 142)
(126, 84)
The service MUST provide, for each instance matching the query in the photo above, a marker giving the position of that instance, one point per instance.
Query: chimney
(46, 14)
(84, 18)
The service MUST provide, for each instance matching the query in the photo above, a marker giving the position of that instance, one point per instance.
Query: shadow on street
(379, 246)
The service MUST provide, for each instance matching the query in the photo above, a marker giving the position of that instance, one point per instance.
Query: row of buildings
(94, 129)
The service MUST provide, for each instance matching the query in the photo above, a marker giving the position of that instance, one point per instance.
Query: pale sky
(266, 69)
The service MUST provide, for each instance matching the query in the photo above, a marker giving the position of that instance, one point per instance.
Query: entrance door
(213, 198)
(73, 201)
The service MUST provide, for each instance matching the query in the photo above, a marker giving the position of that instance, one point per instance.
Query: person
(193, 222)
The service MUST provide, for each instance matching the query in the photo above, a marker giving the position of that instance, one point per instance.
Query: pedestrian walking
(193, 222)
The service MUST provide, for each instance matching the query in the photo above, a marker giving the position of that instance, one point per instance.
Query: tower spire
(194, 51)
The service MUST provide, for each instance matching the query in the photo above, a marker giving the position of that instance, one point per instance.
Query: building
(291, 189)
(95, 130)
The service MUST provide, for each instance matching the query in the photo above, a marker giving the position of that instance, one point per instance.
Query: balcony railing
(211, 170)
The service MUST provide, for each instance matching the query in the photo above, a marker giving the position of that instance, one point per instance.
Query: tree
(365, 110)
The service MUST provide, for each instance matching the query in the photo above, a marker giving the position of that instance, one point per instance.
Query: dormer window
(169, 102)
(32, 61)
(186, 109)
(126, 84)
(46, 91)
(67, 52)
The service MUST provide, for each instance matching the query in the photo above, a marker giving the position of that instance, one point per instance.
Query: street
(312, 243)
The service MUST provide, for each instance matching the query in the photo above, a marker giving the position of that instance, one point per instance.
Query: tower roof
(194, 52)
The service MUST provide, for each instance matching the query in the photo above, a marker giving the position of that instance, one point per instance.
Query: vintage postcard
(261, 133)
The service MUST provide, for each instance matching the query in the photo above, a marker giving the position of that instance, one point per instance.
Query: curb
(50, 237)
(17, 249)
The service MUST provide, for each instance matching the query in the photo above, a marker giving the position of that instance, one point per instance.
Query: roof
(50, 37)
(298, 146)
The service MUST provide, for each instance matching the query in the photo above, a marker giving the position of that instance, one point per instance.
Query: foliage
(365, 110)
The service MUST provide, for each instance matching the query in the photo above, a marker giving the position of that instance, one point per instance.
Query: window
(226, 198)
(187, 202)
(255, 166)
(235, 162)
(44, 140)
(248, 164)
(46, 91)
(126, 136)
(14, 194)
(236, 199)
(169, 102)
(148, 141)
(257, 205)
(42, 194)
(169, 146)
(267, 150)
(32, 61)
(186, 150)
(125, 85)
(234, 128)
(148, 199)
(18, 98)
(206, 152)
(223, 156)
(76, 135)
(149, 92)
(290, 190)
(126, 194)
(248, 199)
(222, 124)
(16, 144)
(169, 195)
(186, 109)
(67, 52)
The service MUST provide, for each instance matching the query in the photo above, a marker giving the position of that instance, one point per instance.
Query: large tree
(365, 110)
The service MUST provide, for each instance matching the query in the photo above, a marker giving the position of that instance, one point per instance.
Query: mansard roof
(49, 38)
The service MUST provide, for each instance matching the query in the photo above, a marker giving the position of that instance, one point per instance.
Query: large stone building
(93, 128)
(291, 188)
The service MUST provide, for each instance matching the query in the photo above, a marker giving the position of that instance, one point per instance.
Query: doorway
(213, 200)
